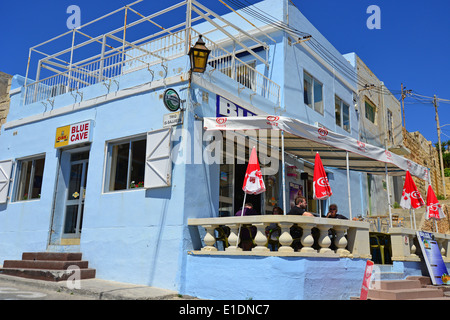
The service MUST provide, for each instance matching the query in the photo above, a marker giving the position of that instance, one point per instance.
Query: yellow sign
(62, 136)
(73, 134)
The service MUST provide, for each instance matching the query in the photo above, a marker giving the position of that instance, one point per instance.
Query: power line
(336, 62)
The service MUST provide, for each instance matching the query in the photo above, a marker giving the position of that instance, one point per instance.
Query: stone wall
(443, 225)
(424, 153)
(447, 187)
(5, 84)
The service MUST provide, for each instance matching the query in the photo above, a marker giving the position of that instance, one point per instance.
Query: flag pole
(283, 166)
(410, 217)
(348, 189)
(389, 195)
(240, 225)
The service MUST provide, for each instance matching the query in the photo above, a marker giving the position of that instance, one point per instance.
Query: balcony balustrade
(347, 238)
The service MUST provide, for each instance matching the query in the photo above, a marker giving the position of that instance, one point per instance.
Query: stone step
(53, 256)
(399, 284)
(50, 266)
(424, 281)
(48, 275)
(44, 264)
(405, 294)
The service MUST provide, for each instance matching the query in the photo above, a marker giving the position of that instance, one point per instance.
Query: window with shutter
(5, 177)
(158, 168)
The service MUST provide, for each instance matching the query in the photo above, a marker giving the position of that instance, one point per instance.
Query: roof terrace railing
(66, 75)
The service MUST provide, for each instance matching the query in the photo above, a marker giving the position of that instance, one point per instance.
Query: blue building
(104, 153)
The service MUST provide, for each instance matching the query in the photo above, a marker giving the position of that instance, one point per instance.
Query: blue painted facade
(141, 236)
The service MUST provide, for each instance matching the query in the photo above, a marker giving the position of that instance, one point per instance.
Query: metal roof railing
(106, 57)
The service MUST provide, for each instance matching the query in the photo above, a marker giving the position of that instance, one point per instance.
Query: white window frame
(342, 106)
(313, 104)
(109, 162)
(17, 190)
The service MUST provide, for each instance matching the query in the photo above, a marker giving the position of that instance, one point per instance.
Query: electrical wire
(331, 58)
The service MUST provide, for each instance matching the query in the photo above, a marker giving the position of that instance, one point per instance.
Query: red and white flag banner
(321, 186)
(434, 209)
(411, 197)
(253, 181)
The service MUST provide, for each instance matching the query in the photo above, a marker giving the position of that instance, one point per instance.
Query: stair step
(405, 294)
(49, 266)
(424, 281)
(44, 264)
(53, 256)
(399, 284)
(48, 275)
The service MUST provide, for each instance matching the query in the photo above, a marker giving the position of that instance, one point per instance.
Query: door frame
(56, 229)
(79, 202)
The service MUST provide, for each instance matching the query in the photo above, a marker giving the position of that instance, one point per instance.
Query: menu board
(433, 258)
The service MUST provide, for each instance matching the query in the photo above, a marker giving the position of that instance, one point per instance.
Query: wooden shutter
(5, 178)
(158, 168)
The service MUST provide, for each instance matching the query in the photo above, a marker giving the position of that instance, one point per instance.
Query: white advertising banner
(305, 140)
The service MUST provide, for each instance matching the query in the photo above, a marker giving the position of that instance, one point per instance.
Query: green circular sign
(171, 100)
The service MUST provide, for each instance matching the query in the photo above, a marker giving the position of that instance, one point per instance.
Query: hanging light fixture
(199, 56)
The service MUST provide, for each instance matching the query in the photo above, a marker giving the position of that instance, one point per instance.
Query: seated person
(273, 231)
(248, 233)
(248, 210)
(300, 207)
(332, 212)
(296, 232)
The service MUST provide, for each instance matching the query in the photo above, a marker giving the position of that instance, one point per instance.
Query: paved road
(18, 291)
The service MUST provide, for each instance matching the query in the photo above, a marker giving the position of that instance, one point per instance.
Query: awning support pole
(411, 218)
(348, 189)
(283, 169)
(389, 195)
(242, 214)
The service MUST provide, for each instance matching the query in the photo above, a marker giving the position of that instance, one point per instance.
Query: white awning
(304, 140)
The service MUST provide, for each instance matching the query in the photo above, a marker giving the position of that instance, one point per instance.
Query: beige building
(424, 153)
(380, 112)
(380, 124)
(5, 84)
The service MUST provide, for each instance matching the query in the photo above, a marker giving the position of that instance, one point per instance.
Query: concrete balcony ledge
(350, 238)
(404, 247)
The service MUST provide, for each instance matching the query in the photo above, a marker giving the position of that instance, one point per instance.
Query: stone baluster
(285, 238)
(324, 239)
(209, 238)
(441, 242)
(446, 247)
(233, 239)
(412, 246)
(307, 238)
(341, 241)
(260, 238)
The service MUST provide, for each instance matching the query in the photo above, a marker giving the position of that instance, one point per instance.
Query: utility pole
(403, 108)
(439, 141)
(404, 93)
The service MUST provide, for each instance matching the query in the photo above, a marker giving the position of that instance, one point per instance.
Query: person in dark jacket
(332, 212)
(248, 210)
(300, 207)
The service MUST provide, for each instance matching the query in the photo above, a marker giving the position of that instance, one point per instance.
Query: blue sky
(412, 47)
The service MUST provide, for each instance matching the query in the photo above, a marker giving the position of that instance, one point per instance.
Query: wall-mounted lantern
(199, 56)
